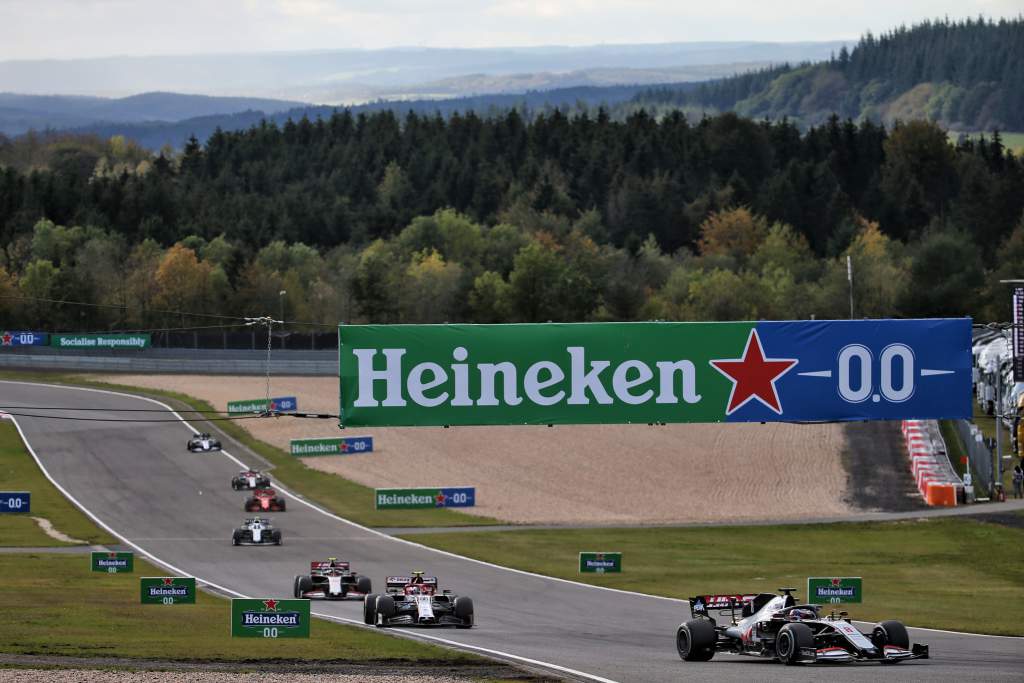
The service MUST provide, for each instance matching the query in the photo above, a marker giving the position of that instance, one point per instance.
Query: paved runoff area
(117, 470)
(593, 474)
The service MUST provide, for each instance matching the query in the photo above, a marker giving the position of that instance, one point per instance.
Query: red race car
(264, 500)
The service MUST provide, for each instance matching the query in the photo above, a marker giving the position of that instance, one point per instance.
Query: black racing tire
(277, 538)
(385, 607)
(363, 584)
(303, 583)
(370, 609)
(695, 640)
(463, 609)
(252, 505)
(281, 504)
(234, 485)
(890, 632)
(790, 640)
(235, 539)
(295, 588)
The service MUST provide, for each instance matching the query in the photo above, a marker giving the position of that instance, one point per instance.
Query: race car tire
(234, 485)
(280, 504)
(295, 587)
(790, 640)
(235, 539)
(463, 609)
(303, 583)
(695, 641)
(363, 584)
(385, 607)
(370, 609)
(277, 538)
(890, 632)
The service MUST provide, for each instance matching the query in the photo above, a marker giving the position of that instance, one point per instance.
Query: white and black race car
(331, 579)
(776, 627)
(247, 480)
(256, 531)
(415, 601)
(203, 442)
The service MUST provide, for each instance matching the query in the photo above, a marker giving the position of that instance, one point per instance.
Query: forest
(372, 218)
(964, 75)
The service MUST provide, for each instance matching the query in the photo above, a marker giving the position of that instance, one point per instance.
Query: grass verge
(339, 495)
(65, 609)
(19, 472)
(956, 574)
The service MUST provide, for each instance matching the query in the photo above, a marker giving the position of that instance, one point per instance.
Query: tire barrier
(936, 479)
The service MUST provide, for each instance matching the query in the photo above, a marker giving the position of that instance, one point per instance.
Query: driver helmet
(800, 614)
(412, 590)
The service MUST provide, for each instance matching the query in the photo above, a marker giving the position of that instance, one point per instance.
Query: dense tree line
(963, 74)
(499, 219)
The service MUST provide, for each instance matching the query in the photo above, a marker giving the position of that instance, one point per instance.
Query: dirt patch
(607, 474)
(879, 469)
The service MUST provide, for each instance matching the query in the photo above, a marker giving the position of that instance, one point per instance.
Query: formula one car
(247, 480)
(264, 500)
(776, 627)
(256, 531)
(203, 442)
(414, 601)
(331, 580)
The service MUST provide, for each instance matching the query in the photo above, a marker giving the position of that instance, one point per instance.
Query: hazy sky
(62, 29)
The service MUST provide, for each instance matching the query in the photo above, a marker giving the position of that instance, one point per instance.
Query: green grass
(57, 606)
(339, 495)
(947, 573)
(18, 472)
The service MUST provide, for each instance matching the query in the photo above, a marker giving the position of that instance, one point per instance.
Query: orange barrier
(941, 494)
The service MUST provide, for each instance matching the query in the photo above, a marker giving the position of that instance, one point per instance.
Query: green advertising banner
(410, 499)
(600, 563)
(344, 445)
(167, 590)
(657, 372)
(279, 404)
(100, 341)
(834, 590)
(113, 563)
(269, 618)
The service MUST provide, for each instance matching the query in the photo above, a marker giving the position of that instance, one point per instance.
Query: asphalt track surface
(178, 508)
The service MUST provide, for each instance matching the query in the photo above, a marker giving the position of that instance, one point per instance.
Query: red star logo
(270, 605)
(113, 555)
(836, 582)
(439, 499)
(273, 405)
(168, 581)
(753, 376)
(344, 447)
(8, 339)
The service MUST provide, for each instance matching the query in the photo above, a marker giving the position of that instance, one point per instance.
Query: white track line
(402, 540)
(229, 591)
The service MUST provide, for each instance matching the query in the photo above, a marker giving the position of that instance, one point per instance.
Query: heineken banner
(281, 404)
(407, 499)
(168, 590)
(600, 563)
(22, 339)
(100, 341)
(113, 562)
(15, 501)
(332, 446)
(803, 371)
(823, 591)
(269, 618)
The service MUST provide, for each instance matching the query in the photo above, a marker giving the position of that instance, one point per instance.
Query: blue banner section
(13, 338)
(284, 404)
(816, 371)
(15, 501)
(357, 444)
(460, 497)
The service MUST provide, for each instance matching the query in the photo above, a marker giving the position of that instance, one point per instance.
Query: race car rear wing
(403, 581)
(325, 565)
(701, 604)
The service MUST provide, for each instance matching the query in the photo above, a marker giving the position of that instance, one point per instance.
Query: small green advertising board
(269, 618)
(100, 341)
(113, 562)
(277, 404)
(834, 590)
(600, 563)
(411, 499)
(342, 445)
(167, 590)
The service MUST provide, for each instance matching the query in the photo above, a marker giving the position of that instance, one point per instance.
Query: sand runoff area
(600, 474)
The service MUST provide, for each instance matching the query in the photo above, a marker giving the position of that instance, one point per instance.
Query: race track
(178, 507)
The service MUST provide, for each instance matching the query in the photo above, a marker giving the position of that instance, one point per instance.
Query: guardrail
(978, 454)
(929, 463)
(192, 361)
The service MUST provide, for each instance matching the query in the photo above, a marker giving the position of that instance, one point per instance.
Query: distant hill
(155, 135)
(351, 76)
(19, 113)
(966, 75)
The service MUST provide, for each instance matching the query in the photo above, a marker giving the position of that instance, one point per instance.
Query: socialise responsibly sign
(586, 373)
